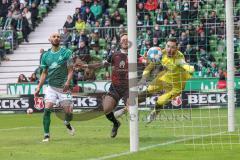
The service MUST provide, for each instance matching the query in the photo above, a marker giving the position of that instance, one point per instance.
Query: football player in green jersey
(57, 67)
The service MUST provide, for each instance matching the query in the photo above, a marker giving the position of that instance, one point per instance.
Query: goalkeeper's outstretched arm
(146, 72)
(187, 67)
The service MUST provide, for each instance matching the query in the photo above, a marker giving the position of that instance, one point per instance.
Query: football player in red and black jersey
(119, 86)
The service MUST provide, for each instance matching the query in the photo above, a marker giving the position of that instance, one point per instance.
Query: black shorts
(118, 92)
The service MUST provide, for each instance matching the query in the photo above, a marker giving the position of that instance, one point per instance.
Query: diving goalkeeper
(171, 79)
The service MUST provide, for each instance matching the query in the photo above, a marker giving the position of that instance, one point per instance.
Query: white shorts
(56, 95)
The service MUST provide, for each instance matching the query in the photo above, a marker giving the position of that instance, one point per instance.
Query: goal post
(132, 60)
(230, 64)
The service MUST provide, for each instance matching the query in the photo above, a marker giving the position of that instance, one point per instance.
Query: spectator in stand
(33, 78)
(221, 30)
(202, 41)
(185, 11)
(194, 11)
(157, 32)
(88, 3)
(155, 42)
(147, 21)
(165, 28)
(163, 5)
(80, 24)
(222, 84)
(83, 51)
(172, 33)
(140, 14)
(22, 79)
(191, 54)
(117, 19)
(76, 14)
(16, 11)
(237, 17)
(160, 16)
(122, 4)
(88, 17)
(69, 24)
(23, 26)
(26, 13)
(96, 9)
(82, 9)
(8, 21)
(4, 8)
(66, 37)
(34, 12)
(108, 32)
(151, 5)
(83, 37)
(213, 19)
(183, 41)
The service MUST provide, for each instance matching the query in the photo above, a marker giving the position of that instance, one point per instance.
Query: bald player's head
(55, 39)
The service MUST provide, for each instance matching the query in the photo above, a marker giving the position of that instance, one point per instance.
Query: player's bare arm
(41, 82)
(69, 78)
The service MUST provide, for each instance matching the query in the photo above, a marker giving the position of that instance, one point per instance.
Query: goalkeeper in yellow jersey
(171, 79)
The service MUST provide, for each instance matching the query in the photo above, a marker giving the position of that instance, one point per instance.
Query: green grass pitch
(175, 135)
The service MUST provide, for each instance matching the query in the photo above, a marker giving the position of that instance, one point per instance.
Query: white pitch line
(32, 127)
(153, 146)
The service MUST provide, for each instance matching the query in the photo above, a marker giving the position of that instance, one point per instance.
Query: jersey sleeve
(148, 69)
(43, 62)
(182, 63)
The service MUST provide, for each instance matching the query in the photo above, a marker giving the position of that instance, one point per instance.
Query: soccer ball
(154, 54)
(29, 111)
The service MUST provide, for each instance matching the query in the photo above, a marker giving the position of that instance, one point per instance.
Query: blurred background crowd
(92, 32)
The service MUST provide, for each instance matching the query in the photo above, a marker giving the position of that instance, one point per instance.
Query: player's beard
(55, 43)
(170, 54)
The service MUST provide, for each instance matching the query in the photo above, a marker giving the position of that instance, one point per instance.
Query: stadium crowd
(92, 32)
(17, 19)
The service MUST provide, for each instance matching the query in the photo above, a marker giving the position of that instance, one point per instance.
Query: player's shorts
(55, 95)
(118, 92)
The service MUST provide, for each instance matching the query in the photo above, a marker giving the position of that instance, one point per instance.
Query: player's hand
(66, 87)
(37, 91)
(191, 69)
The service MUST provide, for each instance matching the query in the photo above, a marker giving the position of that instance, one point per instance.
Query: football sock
(46, 120)
(110, 117)
(68, 118)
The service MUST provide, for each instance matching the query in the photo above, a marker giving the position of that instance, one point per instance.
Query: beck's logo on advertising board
(85, 101)
(207, 98)
(14, 103)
